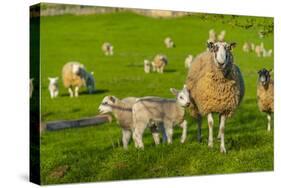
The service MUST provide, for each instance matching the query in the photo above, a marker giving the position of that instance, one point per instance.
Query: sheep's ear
(174, 91)
(113, 99)
(210, 45)
(232, 45)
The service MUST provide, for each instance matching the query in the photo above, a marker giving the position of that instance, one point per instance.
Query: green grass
(95, 153)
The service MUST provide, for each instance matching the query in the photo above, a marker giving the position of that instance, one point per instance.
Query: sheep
(259, 49)
(54, 87)
(253, 47)
(169, 112)
(147, 66)
(169, 43)
(265, 94)
(30, 87)
(75, 76)
(221, 36)
(267, 53)
(216, 85)
(247, 47)
(107, 49)
(122, 111)
(159, 63)
(188, 61)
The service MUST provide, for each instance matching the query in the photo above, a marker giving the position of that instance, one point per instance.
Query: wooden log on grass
(63, 124)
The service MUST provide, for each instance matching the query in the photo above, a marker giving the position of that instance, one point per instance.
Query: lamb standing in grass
(75, 76)
(188, 61)
(169, 43)
(122, 111)
(170, 112)
(147, 66)
(247, 47)
(259, 49)
(265, 95)
(159, 63)
(216, 86)
(54, 87)
(107, 49)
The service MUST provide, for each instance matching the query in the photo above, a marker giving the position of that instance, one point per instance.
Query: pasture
(95, 153)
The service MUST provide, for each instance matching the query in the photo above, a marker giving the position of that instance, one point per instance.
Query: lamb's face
(53, 81)
(222, 53)
(106, 104)
(182, 96)
(264, 76)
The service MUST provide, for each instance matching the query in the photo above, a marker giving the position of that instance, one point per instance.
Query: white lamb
(107, 49)
(147, 66)
(169, 112)
(54, 87)
(169, 43)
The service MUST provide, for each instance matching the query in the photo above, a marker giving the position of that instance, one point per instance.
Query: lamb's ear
(112, 98)
(210, 46)
(232, 45)
(174, 91)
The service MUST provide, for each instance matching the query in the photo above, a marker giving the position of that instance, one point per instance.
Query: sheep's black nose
(188, 104)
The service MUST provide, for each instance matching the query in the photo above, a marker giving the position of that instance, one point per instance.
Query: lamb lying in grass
(265, 95)
(107, 49)
(170, 112)
(54, 87)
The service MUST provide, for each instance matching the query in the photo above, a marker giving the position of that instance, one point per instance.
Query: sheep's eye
(105, 103)
(181, 97)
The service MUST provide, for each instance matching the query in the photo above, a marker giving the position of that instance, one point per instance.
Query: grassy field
(95, 153)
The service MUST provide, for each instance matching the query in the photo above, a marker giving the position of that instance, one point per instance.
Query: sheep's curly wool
(213, 90)
(72, 80)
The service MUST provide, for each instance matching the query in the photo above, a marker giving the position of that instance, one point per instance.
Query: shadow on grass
(98, 91)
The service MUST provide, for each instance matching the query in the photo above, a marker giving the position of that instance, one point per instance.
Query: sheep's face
(222, 53)
(53, 81)
(106, 104)
(90, 82)
(264, 76)
(182, 96)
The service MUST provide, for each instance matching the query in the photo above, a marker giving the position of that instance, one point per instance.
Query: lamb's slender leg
(76, 91)
(222, 125)
(56, 93)
(169, 131)
(219, 134)
(138, 134)
(164, 135)
(70, 92)
(269, 122)
(199, 127)
(183, 125)
(126, 135)
(155, 134)
(211, 125)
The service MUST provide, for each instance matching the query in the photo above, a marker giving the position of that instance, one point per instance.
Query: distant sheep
(170, 112)
(75, 76)
(30, 87)
(216, 85)
(267, 53)
(265, 95)
(107, 49)
(259, 49)
(147, 66)
(54, 87)
(159, 63)
(169, 43)
(188, 61)
(247, 47)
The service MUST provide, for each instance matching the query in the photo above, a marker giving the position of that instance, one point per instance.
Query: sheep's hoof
(182, 141)
(223, 150)
(210, 144)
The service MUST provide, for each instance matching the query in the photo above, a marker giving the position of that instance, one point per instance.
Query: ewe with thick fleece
(54, 87)
(122, 111)
(159, 63)
(169, 112)
(169, 43)
(216, 86)
(265, 95)
(75, 76)
(107, 48)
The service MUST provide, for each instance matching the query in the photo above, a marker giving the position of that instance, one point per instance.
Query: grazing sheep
(221, 36)
(169, 43)
(122, 111)
(107, 49)
(267, 53)
(216, 86)
(259, 49)
(170, 112)
(30, 87)
(147, 66)
(247, 47)
(75, 76)
(188, 61)
(265, 94)
(54, 87)
(159, 63)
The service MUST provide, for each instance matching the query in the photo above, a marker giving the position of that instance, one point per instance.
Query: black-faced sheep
(107, 49)
(265, 94)
(169, 112)
(75, 76)
(159, 63)
(53, 87)
(216, 86)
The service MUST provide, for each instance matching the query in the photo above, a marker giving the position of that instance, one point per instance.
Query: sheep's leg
(76, 91)
(51, 94)
(56, 93)
(269, 122)
(70, 92)
(219, 134)
(155, 134)
(138, 132)
(210, 124)
(222, 125)
(169, 131)
(126, 135)
(199, 126)
(164, 135)
(183, 125)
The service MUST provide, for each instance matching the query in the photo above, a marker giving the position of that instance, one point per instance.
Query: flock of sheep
(214, 85)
